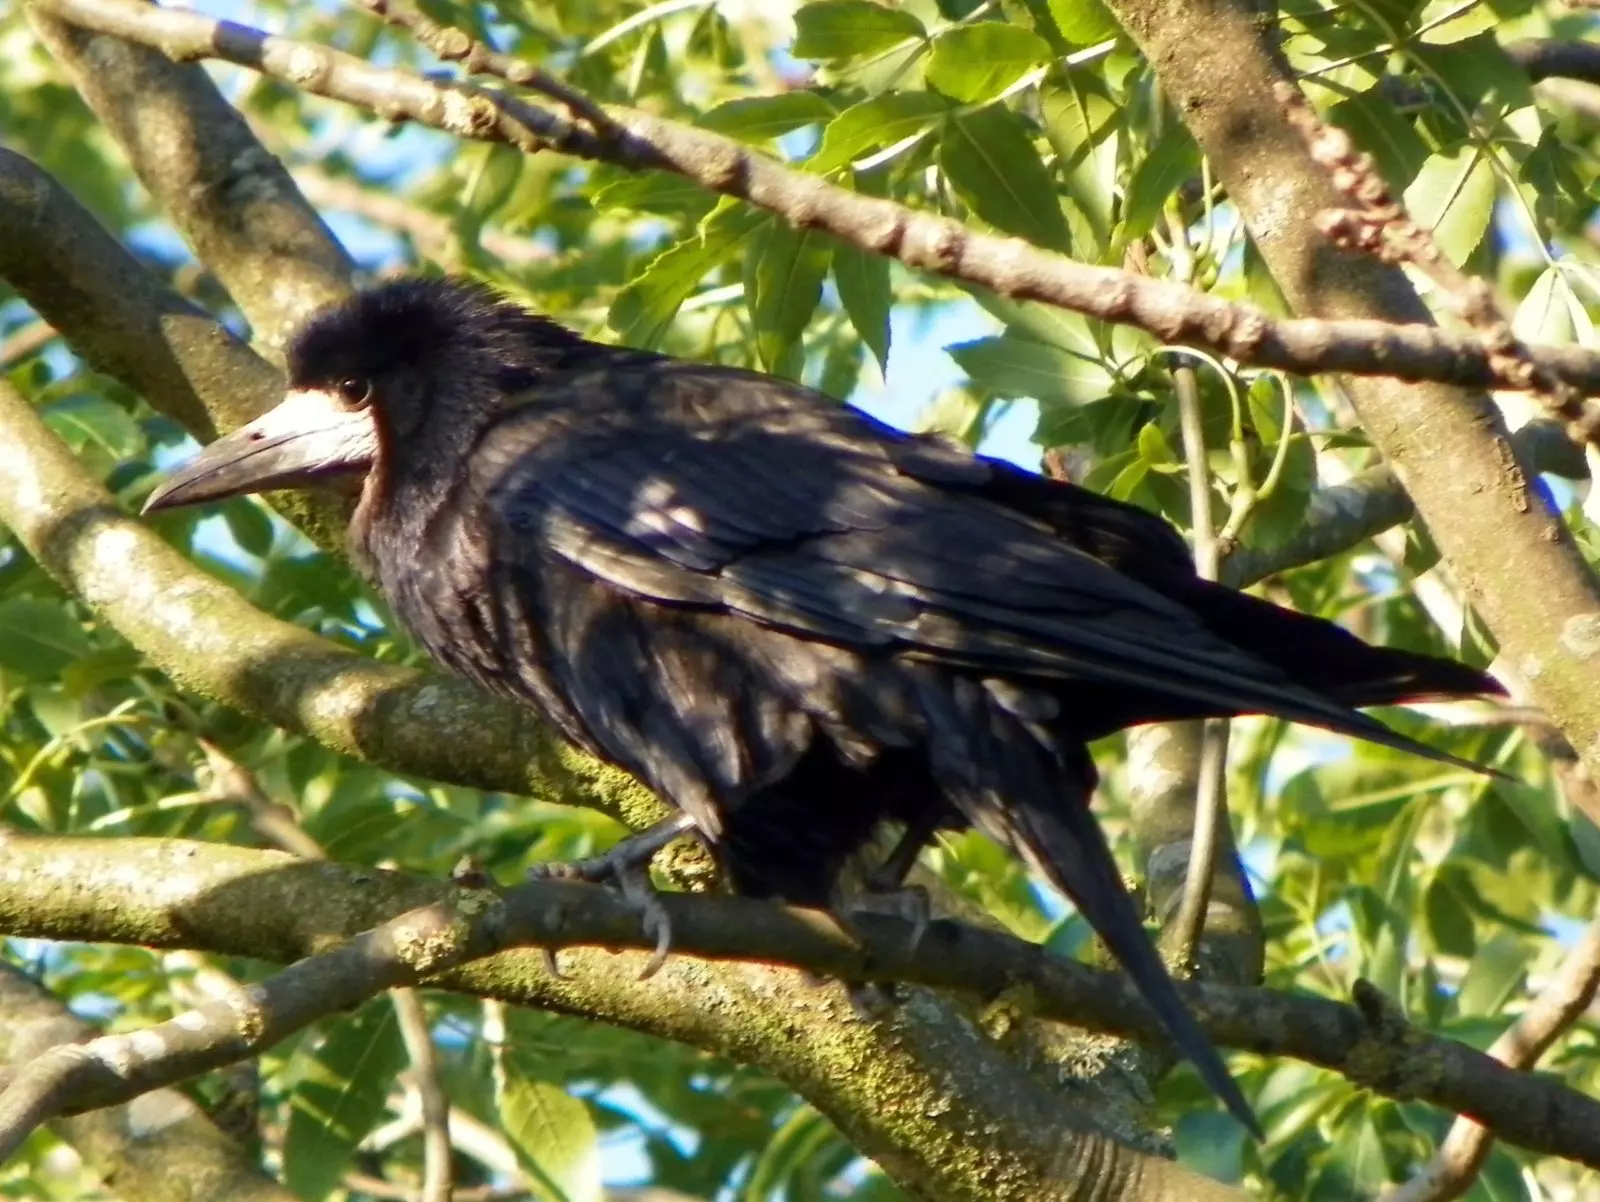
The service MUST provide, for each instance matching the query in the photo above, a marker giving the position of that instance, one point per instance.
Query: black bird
(791, 621)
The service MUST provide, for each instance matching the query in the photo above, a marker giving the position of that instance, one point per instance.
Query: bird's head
(408, 369)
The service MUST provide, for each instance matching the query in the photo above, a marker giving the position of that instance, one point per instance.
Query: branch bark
(1449, 445)
(159, 1147)
(964, 1123)
(238, 901)
(233, 202)
(1392, 345)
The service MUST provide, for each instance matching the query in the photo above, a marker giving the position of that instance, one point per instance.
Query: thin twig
(432, 232)
(1563, 1002)
(454, 45)
(25, 341)
(1210, 802)
(436, 1147)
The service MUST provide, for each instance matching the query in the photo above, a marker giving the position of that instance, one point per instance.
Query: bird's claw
(626, 867)
(910, 902)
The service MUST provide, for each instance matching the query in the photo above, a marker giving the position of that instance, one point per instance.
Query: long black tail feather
(1065, 844)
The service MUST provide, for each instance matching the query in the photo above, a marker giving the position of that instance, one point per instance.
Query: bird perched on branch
(794, 623)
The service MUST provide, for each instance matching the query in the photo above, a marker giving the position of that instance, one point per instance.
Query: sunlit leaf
(783, 273)
(863, 281)
(762, 118)
(1160, 173)
(991, 161)
(339, 1097)
(874, 124)
(551, 1132)
(847, 29)
(1011, 366)
(977, 62)
(1453, 195)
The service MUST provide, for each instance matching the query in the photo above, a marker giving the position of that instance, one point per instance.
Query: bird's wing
(823, 525)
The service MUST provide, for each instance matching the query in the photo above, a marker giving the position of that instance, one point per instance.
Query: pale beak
(309, 436)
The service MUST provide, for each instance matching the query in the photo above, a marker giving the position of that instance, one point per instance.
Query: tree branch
(145, 1147)
(124, 322)
(1339, 516)
(1411, 349)
(211, 640)
(239, 901)
(1563, 1002)
(969, 1127)
(233, 202)
(402, 951)
(1449, 445)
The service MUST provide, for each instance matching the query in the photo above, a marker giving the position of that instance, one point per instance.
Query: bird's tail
(1329, 660)
(1063, 841)
(1030, 791)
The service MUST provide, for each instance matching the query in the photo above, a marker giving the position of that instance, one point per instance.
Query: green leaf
(1461, 21)
(1449, 916)
(551, 1132)
(991, 162)
(863, 281)
(1009, 366)
(1171, 162)
(340, 1096)
(250, 526)
(643, 310)
(1495, 975)
(1550, 312)
(1153, 446)
(1453, 195)
(1042, 323)
(38, 639)
(975, 63)
(839, 30)
(1485, 81)
(783, 273)
(762, 118)
(492, 176)
(1083, 124)
(873, 124)
(653, 192)
(1084, 22)
(83, 420)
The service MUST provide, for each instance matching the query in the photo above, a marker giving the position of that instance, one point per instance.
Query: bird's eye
(354, 392)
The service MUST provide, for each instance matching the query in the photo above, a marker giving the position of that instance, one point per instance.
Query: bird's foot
(909, 902)
(626, 867)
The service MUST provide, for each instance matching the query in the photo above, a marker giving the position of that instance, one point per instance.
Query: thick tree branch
(118, 317)
(402, 951)
(211, 640)
(1449, 445)
(159, 1147)
(968, 1127)
(233, 202)
(124, 322)
(1339, 516)
(175, 893)
(1411, 349)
